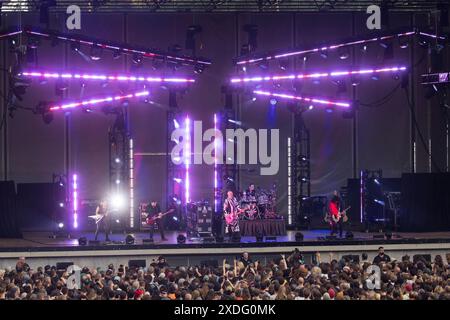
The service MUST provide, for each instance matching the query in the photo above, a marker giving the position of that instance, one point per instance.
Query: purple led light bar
(215, 167)
(310, 100)
(97, 101)
(75, 200)
(273, 56)
(84, 76)
(124, 48)
(187, 159)
(315, 75)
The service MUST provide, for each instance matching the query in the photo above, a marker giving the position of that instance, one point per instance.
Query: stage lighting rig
(96, 53)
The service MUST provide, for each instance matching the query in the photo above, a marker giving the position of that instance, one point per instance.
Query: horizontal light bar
(436, 78)
(272, 56)
(310, 100)
(124, 48)
(84, 76)
(104, 44)
(97, 101)
(315, 75)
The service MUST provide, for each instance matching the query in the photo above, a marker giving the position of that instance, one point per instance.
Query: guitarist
(153, 211)
(334, 207)
(231, 211)
(103, 220)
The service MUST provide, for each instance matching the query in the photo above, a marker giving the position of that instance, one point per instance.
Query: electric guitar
(341, 215)
(97, 217)
(152, 220)
(232, 216)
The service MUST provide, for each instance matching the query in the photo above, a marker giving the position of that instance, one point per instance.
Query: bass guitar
(152, 220)
(232, 216)
(341, 215)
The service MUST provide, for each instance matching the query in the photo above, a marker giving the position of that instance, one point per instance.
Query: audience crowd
(288, 277)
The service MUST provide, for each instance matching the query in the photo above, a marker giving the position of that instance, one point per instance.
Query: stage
(40, 248)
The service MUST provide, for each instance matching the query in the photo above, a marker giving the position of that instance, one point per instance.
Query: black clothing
(104, 224)
(152, 212)
(384, 258)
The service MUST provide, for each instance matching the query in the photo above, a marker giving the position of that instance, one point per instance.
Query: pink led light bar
(273, 56)
(187, 159)
(315, 75)
(310, 100)
(75, 200)
(84, 76)
(97, 101)
(216, 202)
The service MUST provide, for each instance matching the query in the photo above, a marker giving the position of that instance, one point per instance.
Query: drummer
(251, 192)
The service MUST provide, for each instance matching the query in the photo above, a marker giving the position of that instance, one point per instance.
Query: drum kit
(259, 205)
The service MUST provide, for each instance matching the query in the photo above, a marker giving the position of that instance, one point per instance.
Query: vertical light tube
(289, 167)
(215, 166)
(361, 196)
(131, 174)
(187, 158)
(75, 200)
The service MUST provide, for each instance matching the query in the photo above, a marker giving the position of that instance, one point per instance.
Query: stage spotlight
(299, 237)
(253, 99)
(375, 77)
(117, 181)
(61, 204)
(376, 181)
(355, 81)
(388, 235)
(310, 107)
(423, 41)
(96, 53)
(181, 239)
(137, 58)
(176, 124)
(388, 50)
(117, 221)
(344, 53)
(60, 225)
(75, 46)
(129, 239)
(349, 235)
(380, 202)
(403, 42)
(365, 48)
(324, 54)
(431, 91)
(284, 64)
(329, 110)
(117, 160)
(273, 102)
(263, 65)
(82, 241)
(199, 68)
(117, 201)
(177, 180)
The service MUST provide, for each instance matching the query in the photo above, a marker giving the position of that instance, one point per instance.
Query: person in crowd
(381, 257)
(286, 277)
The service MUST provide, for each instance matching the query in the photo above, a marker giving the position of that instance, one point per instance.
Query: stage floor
(35, 240)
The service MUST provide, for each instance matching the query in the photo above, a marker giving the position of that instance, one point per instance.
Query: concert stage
(41, 249)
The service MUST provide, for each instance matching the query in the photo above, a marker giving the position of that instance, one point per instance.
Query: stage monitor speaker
(63, 265)
(271, 238)
(137, 263)
(421, 257)
(82, 241)
(378, 236)
(94, 242)
(209, 263)
(129, 239)
(236, 238)
(148, 241)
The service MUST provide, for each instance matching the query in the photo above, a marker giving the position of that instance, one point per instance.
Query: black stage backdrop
(425, 202)
(34, 150)
(8, 211)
